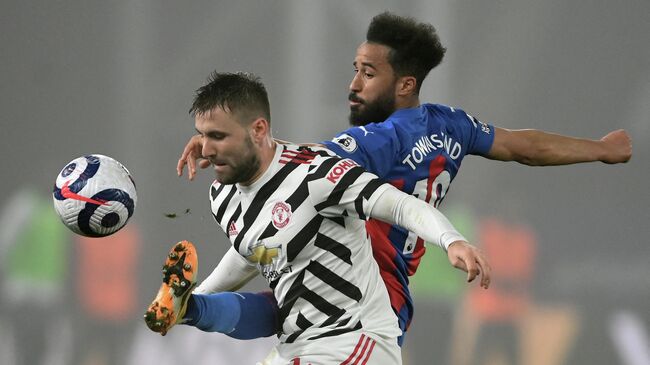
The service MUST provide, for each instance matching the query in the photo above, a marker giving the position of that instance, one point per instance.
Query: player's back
(419, 151)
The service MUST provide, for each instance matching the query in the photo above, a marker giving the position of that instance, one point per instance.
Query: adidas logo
(232, 229)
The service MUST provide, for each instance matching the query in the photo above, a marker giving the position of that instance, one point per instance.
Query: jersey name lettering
(426, 144)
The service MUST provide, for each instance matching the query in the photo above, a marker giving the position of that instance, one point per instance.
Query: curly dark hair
(415, 47)
(239, 93)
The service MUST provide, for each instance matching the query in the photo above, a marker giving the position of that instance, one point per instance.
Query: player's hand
(618, 147)
(191, 154)
(470, 259)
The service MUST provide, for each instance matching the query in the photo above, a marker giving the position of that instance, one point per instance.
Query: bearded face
(373, 87)
(371, 111)
(240, 166)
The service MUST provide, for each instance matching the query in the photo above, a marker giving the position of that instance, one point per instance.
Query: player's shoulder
(423, 116)
(444, 110)
(312, 154)
(453, 117)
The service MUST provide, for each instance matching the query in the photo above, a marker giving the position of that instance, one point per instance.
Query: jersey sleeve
(477, 136)
(373, 146)
(342, 188)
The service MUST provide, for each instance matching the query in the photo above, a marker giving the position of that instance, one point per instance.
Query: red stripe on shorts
(372, 346)
(361, 357)
(356, 348)
(363, 350)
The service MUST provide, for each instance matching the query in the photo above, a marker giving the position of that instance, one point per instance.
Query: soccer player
(419, 147)
(295, 214)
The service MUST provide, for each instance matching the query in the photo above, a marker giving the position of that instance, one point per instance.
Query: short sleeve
(373, 146)
(478, 136)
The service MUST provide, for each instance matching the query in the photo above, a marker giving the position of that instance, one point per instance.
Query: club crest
(281, 214)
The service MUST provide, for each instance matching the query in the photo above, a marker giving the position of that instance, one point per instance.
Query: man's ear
(259, 129)
(407, 85)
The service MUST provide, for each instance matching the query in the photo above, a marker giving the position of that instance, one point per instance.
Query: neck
(267, 154)
(407, 102)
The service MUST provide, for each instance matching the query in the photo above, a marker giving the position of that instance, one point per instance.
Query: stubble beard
(372, 112)
(245, 169)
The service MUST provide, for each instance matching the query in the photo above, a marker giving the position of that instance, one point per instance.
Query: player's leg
(239, 315)
(243, 316)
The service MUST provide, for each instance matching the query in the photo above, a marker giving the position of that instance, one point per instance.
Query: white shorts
(350, 348)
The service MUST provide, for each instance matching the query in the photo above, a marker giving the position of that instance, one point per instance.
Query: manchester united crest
(281, 214)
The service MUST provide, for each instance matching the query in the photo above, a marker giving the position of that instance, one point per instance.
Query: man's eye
(216, 137)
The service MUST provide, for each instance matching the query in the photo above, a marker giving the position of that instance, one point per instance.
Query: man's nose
(207, 150)
(356, 85)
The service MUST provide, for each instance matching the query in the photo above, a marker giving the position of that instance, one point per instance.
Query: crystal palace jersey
(419, 151)
(302, 224)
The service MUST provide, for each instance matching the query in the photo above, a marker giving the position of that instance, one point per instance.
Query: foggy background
(118, 77)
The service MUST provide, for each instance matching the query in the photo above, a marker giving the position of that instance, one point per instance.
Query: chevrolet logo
(260, 254)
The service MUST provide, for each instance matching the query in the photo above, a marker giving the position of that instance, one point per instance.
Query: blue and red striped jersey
(419, 151)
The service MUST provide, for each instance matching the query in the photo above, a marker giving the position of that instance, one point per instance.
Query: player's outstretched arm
(538, 148)
(396, 207)
(232, 273)
(190, 156)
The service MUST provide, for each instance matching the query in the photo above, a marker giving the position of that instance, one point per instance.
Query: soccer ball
(94, 195)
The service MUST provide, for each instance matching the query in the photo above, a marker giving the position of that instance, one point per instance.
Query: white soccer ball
(94, 195)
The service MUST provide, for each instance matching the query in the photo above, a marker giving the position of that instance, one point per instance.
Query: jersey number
(431, 190)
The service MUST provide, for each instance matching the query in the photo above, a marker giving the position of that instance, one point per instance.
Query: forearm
(415, 215)
(231, 273)
(556, 149)
(539, 148)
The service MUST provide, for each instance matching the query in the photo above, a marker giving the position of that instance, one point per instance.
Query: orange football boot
(179, 279)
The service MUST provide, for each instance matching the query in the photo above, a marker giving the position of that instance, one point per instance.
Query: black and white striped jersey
(302, 225)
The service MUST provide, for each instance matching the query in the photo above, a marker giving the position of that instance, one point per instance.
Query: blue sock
(239, 315)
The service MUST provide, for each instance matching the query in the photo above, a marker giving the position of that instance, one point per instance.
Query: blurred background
(569, 245)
